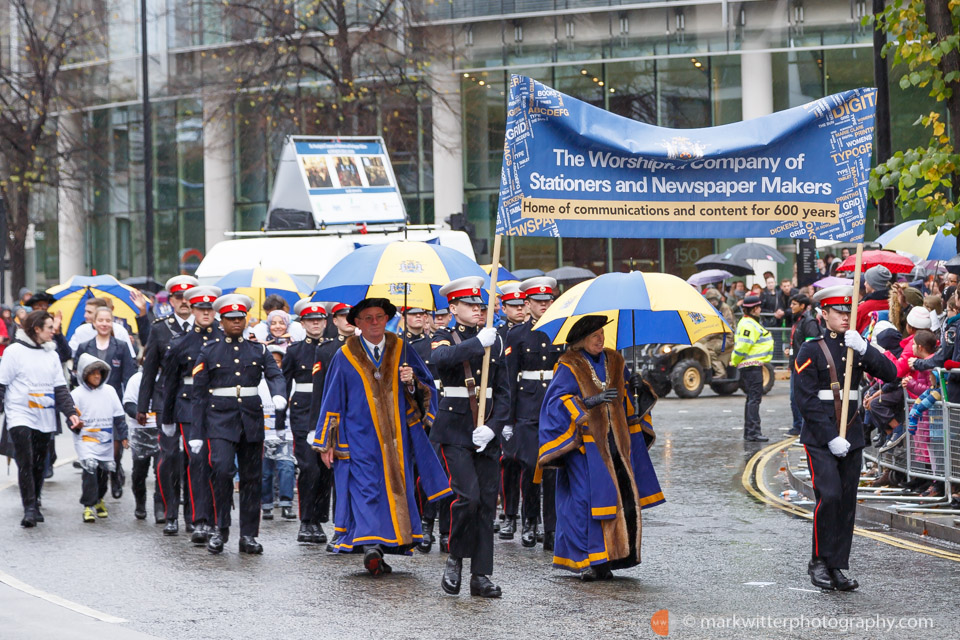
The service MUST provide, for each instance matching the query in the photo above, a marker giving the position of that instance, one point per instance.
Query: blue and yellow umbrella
(71, 298)
(503, 276)
(404, 272)
(645, 308)
(926, 246)
(258, 283)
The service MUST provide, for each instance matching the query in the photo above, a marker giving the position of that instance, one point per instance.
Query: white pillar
(447, 143)
(217, 174)
(756, 82)
(71, 217)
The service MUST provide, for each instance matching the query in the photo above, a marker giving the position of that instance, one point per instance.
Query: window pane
(679, 256)
(635, 254)
(632, 90)
(684, 92)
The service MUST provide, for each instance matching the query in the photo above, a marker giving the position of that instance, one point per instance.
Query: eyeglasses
(379, 318)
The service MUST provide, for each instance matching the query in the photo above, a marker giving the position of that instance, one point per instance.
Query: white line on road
(807, 590)
(682, 411)
(728, 410)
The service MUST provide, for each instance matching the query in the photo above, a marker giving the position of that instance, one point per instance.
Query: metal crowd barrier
(932, 453)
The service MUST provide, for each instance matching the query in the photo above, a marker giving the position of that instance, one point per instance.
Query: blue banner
(575, 170)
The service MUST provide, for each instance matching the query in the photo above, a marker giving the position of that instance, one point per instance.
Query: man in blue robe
(591, 432)
(377, 397)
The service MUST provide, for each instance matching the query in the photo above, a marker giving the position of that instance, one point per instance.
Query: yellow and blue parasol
(258, 283)
(645, 308)
(925, 245)
(71, 298)
(405, 272)
(503, 276)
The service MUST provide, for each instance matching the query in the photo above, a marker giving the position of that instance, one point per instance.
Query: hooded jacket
(102, 413)
(32, 386)
(117, 358)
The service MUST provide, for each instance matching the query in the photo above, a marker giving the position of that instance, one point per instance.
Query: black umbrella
(953, 264)
(753, 251)
(523, 274)
(571, 274)
(143, 283)
(716, 261)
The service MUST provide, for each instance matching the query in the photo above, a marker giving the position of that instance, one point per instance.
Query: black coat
(298, 366)
(118, 357)
(533, 352)
(162, 332)
(176, 378)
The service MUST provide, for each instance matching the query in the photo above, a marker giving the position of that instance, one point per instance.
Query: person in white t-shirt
(145, 447)
(278, 461)
(103, 420)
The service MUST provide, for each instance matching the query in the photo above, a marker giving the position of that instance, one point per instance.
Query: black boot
(548, 539)
(450, 582)
(539, 532)
(426, 544)
(508, 528)
(332, 544)
(171, 528)
(116, 483)
(201, 533)
(319, 537)
(444, 543)
(268, 514)
(249, 544)
(483, 587)
(29, 517)
(820, 575)
(217, 539)
(287, 513)
(306, 532)
(373, 561)
(842, 582)
(140, 511)
(529, 536)
(159, 512)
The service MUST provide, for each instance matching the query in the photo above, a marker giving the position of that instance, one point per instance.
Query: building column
(447, 143)
(756, 82)
(71, 218)
(218, 188)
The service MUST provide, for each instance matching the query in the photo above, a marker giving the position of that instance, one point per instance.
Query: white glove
(279, 403)
(168, 429)
(839, 446)
(482, 436)
(195, 446)
(507, 432)
(487, 336)
(855, 341)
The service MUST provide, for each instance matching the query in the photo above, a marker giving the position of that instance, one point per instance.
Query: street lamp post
(147, 144)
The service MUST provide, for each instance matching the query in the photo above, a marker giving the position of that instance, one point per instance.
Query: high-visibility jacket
(753, 344)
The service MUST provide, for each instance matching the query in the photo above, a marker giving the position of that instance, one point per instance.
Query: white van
(310, 255)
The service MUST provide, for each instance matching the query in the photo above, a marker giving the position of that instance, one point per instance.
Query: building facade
(681, 64)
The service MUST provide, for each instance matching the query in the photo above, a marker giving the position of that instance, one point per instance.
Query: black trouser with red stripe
(442, 506)
(531, 497)
(200, 508)
(475, 480)
(249, 457)
(314, 482)
(510, 474)
(835, 482)
(169, 466)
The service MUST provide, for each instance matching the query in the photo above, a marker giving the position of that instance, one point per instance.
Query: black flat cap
(368, 303)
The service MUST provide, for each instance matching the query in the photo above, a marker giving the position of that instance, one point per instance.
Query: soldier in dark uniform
(314, 481)
(531, 356)
(834, 460)
(414, 334)
(469, 452)
(512, 305)
(176, 413)
(325, 351)
(228, 415)
(170, 464)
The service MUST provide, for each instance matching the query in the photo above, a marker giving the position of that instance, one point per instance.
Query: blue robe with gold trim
(376, 428)
(598, 493)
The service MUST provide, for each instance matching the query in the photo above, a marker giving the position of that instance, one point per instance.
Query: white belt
(461, 392)
(188, 380)
(827, 394)
(536, 375)
(303, 387)
(438, 384)
(235, 392)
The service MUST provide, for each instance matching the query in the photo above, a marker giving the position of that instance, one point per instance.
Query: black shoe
(444, 543)
(373, 561)
(249, 544)
(548, 539)
(497, 522)
(450, 582)
(426, 544)
(38, 515)
(539, 533)
(190, 527)
(116, 483)
(287, 513)
(842, 582)
(268, 514)
(76, 464)
(332, 544)
(216, 541)
(172, 528)
(305, 534)
(319, 537)
(529, 536)
(820, 575)
(201, 533)
(48, 472)
(29, 517)
(483, 587)
(756, 439)
(793, 432)
(140, 511)
(508, 528)
(159, 513)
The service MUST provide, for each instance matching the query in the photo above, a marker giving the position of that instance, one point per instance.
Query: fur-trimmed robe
(604, 472)
(376, 428)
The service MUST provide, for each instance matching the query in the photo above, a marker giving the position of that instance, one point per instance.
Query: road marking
(682, 411)
(754, 471)
(728, 410)
(688, 428)
(807, 590)
(758, 584)
(12, 582)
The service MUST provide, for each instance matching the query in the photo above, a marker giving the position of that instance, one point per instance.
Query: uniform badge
(197, 369)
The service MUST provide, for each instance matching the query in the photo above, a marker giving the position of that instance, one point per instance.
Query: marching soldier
(169, 460)
(531, 357)
(228, 415)
(177, 409)
(834, 459)
(314, 481)
(468, 451)
(512, 304)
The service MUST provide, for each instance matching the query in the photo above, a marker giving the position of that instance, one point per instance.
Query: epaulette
(161, 319)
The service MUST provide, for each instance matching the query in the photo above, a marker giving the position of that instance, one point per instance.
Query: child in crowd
(278, 461)
(102, 415)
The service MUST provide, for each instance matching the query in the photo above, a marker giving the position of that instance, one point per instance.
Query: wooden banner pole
(848, 371)
(491, 306)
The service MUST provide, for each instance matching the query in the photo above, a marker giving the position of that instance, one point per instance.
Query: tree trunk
(17, 219)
